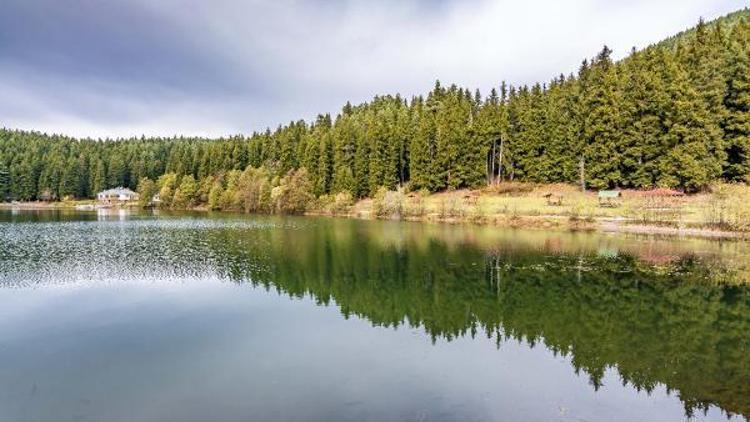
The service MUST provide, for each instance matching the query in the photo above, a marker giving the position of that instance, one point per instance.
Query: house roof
(117, 191)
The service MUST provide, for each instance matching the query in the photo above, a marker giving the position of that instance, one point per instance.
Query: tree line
(675, 114)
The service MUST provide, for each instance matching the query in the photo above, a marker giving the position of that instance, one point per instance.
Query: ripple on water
(138, 250)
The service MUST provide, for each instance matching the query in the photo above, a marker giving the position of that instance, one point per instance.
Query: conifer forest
(675, 114)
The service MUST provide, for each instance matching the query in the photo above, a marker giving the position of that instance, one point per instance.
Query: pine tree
(4, 181)
(644, 100)
(705, 63)
(687, 160)
(69, 179)
(737, 120)
(422, 147)
(361, 160)
(99, 177)
(603, 123)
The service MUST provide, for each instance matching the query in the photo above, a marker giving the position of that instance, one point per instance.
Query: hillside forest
(675, 114)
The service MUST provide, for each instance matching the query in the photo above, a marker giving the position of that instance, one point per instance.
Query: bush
(294, 193)
(388, 204)
(580, 210)
(184, 196)
(214, 196)
(228, 196)
(146, 191)
(479, 212)
(728, 207)
(167, 185)
(324, 204)
(451, 207)
(342, 203)
(415, 206)
(253, 193)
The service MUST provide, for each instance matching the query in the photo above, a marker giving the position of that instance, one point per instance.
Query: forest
(675, 114)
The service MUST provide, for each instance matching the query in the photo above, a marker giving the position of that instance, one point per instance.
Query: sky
(119, 68)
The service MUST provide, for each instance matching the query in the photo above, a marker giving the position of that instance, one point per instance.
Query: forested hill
(674, 116)
(727, 22)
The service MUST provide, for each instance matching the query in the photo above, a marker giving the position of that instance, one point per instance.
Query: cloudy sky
(161, 67)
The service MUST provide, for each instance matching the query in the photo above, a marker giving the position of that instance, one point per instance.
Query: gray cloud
(102, 68)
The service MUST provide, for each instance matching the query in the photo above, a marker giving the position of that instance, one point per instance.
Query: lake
(119, 316)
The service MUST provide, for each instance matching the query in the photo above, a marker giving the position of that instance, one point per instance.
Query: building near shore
(117, 195)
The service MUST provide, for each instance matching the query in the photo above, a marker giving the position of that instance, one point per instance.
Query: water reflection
(659, 312)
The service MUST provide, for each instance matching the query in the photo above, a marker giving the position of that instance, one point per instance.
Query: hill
(667, 117)
(727, 22)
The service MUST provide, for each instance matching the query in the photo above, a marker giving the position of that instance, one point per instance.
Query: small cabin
(610, 198)
(116, 195)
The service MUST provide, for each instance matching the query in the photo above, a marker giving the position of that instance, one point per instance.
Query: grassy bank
(723, 211)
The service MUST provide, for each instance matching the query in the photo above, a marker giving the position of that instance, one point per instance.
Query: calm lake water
(195, 317)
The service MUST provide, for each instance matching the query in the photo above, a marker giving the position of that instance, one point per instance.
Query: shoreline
(562, 223)
(539, 222)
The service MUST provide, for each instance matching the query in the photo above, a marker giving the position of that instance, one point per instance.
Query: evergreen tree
(99, 176)
(4, 181)
(602, 101)
(737, 119)
(688, 160)
(645, 100)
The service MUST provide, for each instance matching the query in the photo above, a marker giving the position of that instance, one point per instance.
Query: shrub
(184, 196)
(415, 206)
(581, 211)
(167, 185)
(388, 204)
(214, 196)
(146, 191)
(294, 193)
(342, 203)
(451, 207)
(228, 196)
(253, 193)
(728, 207)
(324, 204)
(479, 212)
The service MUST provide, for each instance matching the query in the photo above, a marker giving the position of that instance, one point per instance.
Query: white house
(117, 195)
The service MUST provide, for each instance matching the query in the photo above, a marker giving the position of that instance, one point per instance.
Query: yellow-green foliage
(167, 185)
(388, 204)
(293, 195)
(146, 191)
(253, 192)
(184, 196)
(214, 196)
(415, 205)
(338, 204)
(342, 202)
(451, 206)
(728, 207)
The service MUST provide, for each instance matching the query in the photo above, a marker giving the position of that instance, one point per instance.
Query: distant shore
(527, 210)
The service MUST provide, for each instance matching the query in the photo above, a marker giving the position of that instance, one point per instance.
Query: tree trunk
(491, 173)
(582, 169)
(500, 163)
